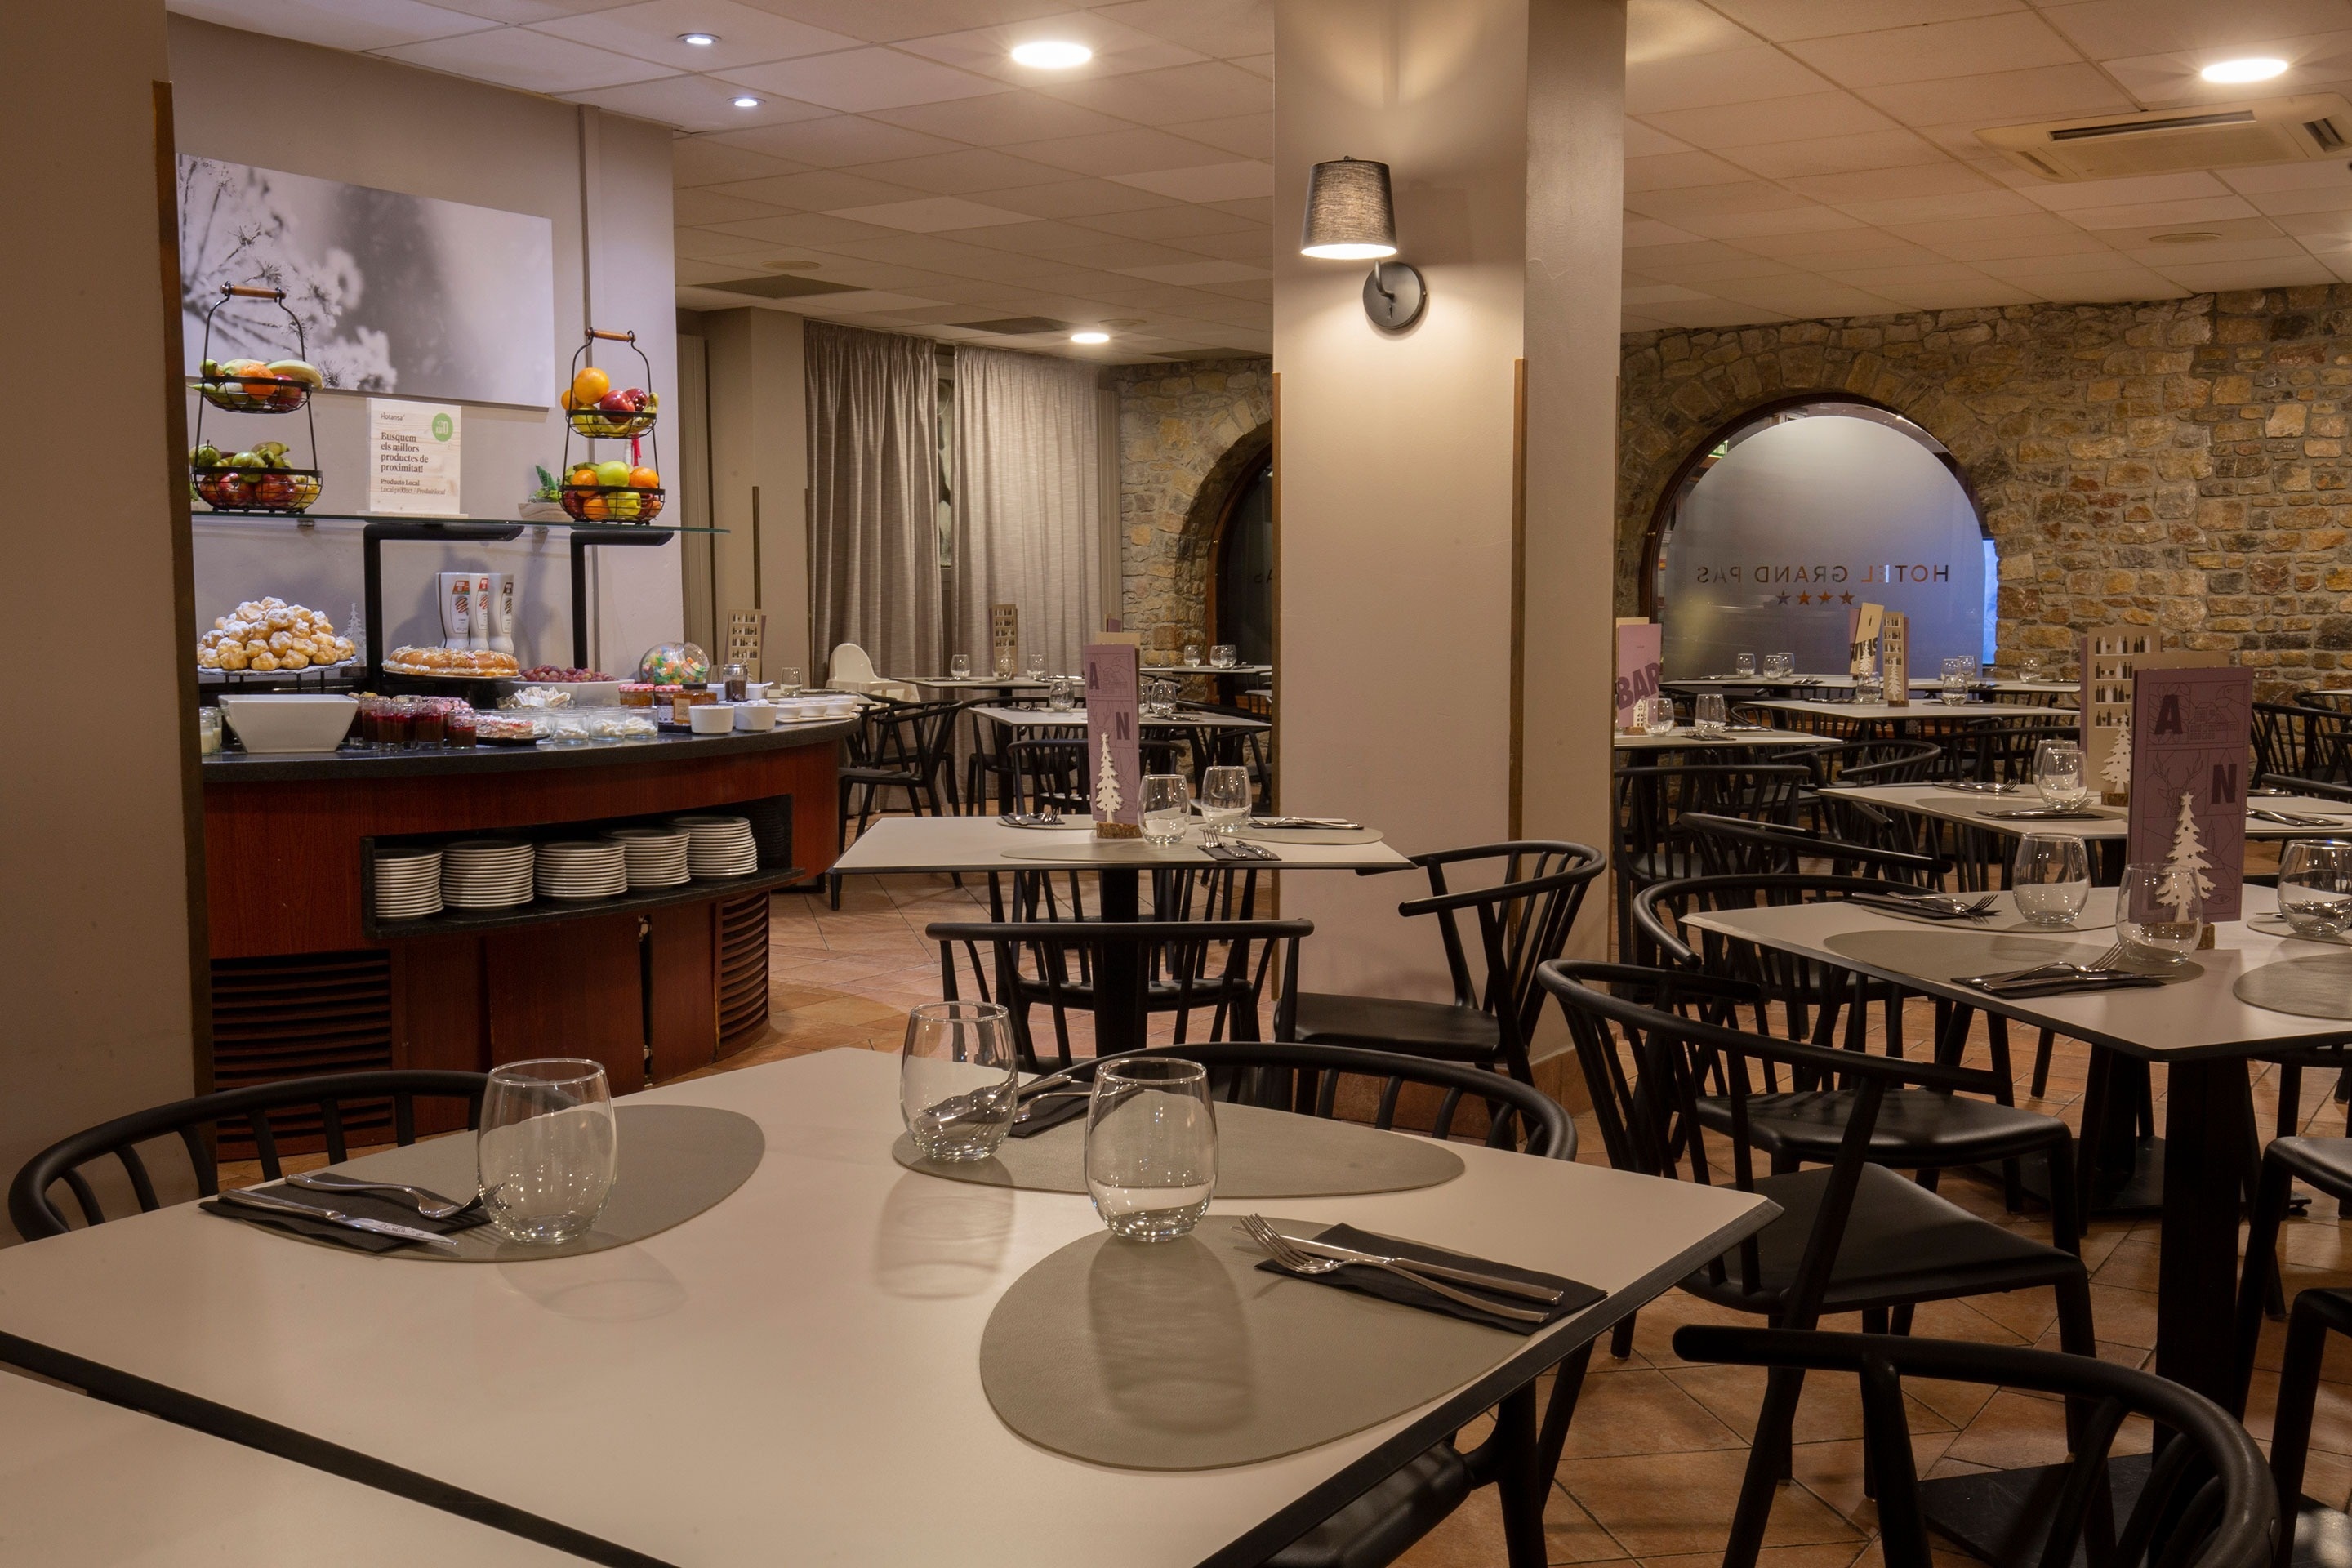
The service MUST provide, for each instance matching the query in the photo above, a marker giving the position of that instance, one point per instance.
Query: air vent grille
(2224, 136)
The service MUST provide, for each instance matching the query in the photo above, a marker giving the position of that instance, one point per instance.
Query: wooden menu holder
(1894, 658)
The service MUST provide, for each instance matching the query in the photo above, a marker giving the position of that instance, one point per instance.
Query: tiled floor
(1653, 1460)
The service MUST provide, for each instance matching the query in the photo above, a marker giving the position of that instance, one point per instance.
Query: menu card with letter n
(2191, 731)
(1114, 769)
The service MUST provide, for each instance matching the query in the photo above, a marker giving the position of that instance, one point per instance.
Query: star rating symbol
(1847, 597)
(1784, 598)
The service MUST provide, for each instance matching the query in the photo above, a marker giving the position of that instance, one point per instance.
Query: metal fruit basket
(272, 490)
(255, 394)
(598, 425)
(612, 503)
(601, 503)
(234, 487)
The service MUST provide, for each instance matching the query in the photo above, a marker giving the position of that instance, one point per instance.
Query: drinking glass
(1035, 669)
(957, 1079)
(2160, 912)
(2050, 878)
(1151, 1148)
(1787, 663)
(2030, 667)
(1225, 656)
(1708, 713)
(2314, 886)
(1192, 653)
(548, 1148)
(960, 667)
(2058, 774)
(787, 684)
(1870, 688)
(1224, 799)
(1656, 715)
(1744, 664)
(1061, 696)
(1167, 807)
(1004, 665)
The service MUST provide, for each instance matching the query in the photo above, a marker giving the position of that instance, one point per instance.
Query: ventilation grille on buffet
(743, 970)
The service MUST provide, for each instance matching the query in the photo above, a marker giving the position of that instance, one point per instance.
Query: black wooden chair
(1521, 1453)
(899, 746)
(1522, 921)
(2207, 1501)
(2325, 1163)
(1853, 1236)
(1651, 800)
(334, 1100)
(1997, 748)
(1725, 847)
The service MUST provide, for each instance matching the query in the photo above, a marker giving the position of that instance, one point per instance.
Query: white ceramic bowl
(584, 694)
(754, 716)
(711, 719)
(290, 721)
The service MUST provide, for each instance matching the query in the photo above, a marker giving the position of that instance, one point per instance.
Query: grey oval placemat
(2097, 914)
(1313, 835)
(2276, 925)
(676, 1161)
(1261, 1153)
(1181, 1355)
(1945, 954)
(2307, 987)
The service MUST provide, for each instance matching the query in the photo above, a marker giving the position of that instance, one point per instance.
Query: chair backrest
(850, 670)
(2208, 1502)
(1522, 921)
(333, 1096)
(1314, 1080)
(1994, 748)
(1860, 763)
(1727, 847)
(1048, 774)
(1645, 1065)
(2281, 737)
(1650, 801)
(913, 736)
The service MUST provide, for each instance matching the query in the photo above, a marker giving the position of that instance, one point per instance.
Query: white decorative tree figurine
(2186, 867)
(1108, 799)
(2115, 774)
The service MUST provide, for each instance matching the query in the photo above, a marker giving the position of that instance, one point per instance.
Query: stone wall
(2176, 464)
(1184, 431)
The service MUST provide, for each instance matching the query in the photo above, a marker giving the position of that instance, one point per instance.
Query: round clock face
(1394, 295)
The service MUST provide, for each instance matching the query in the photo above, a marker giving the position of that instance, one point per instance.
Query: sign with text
(1114, 760)
(413, 457)
(1862, 639)
(2191, 730)
(1638, 646)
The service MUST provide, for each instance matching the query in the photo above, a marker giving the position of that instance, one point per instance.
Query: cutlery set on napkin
(1475, 1290)
(368, 1216)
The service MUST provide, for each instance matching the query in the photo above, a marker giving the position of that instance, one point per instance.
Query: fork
(1950, 902)
(426, 1202)
(1291, 1260)
(2104, 963)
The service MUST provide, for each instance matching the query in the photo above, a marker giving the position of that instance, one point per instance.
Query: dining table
(1883, 718)
(793, 1374)
(1689, 738)
(2280, 815)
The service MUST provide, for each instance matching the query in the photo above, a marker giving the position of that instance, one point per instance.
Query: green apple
(614, 472)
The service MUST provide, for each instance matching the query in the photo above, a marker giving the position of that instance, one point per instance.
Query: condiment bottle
(738, 680)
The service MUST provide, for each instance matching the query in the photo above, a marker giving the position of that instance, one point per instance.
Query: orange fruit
(643, 479)
(566, 400)
(588, 386)
(582, 476)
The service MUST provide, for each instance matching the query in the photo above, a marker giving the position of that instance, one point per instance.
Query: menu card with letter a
(1114, 766)
(2191, 731)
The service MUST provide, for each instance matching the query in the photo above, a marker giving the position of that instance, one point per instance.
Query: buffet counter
(306, 979)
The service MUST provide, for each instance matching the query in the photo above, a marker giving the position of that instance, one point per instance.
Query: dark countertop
(357, 762)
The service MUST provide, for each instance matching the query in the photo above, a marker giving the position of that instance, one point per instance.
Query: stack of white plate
(719, 846)
(407, 884)
(655, 857)
(486, 873)
(581, 869)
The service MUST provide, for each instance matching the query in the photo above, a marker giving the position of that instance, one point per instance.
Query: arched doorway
(1241, 568)
(1782, 521)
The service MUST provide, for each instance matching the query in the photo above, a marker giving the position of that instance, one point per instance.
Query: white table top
(94, 1485)
(1183, 718)
(1845, 683)
(1970, 810)
(975, 682)
(1880, 711)
(1683, 737)
(896, 845)
(2198, 1018)
(1229, 669)
(795, 1371)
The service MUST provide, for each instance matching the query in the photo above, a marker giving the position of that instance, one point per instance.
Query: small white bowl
(711, 719)
(754, 716)
(290, 721)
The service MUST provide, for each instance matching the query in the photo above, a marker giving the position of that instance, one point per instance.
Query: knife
(1439, 1270)
(236, 1198)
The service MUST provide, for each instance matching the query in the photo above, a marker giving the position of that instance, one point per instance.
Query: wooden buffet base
(302, 984)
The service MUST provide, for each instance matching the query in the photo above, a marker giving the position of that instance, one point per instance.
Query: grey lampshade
(1350, 216)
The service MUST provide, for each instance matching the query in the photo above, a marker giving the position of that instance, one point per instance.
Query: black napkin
(1245, 851)
(1917, 911)
(2057, 985)
(1366, 1280)
(363, 1206)
(1049, 1115)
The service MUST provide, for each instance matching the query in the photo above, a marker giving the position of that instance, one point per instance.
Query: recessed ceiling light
(1053, 54)
(744, 100)
(2261, 68)
(1090, 337)
(699, 40)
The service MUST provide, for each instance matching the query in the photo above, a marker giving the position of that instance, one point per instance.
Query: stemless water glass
(2058, 774)
(2314, 886)
(1061, 696)
(2030, 667)
(1709, 714)
(1224, 799)
(1744, 664)
(956, 1079)
(2050, 878)
(960, 667)
(1151, 1148)
(1035, 669)
(547, 1151)
(1225, 656)
(1167, 807)
(787, 684)
(1656, 715)
(1192, 654)
(2160, 913)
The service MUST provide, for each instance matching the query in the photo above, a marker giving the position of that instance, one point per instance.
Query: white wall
(1395, 462)
(94, 859)
(603, 182)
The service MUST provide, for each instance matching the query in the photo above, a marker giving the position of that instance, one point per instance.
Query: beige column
(759, 441)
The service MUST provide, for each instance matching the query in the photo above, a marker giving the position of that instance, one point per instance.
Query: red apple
(614, 403)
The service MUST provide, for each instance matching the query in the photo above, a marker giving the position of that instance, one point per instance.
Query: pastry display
(463, 663)
(675, 664)
(556, 672)
(537, 697)
(268, 634)
(507, 730)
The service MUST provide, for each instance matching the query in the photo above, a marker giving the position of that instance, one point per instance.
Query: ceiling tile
(1002, 119)
(1679, 206)
(2046, 92)
(2114, 29)
(1703, 273)
(821, 190)
(2319, 64)
(1245, 135)
(1890, 149)
(1698, 316)
(1208, 182)
(1937, 50)
(698, 205)
(2270, 274)
(2321, 173)
(703, 161)
(1812, 218)
(1223, 29)
(2169, 259)
(2280, 203)
(511, 56)
(1675, 29)
(1894, 184)
(837, 140)
(704, 245)
(1806, 296)
(1257, 64)
(1997, 203)
(857, 79)
(1851, 248)
(971, 172)
(1709, 80)
(1121, 152)
(1209, 91)
(1641, 142)
(1254, 244)
(695, 104)
(1910, 275)
(1076, 198)
(1672, 171)
(2233, 230)
(928, 214)
(1973, 244)
(1805, 116)
(650, 30)
(1982, 293)
(2321, 230)
(337, 24)
(1173, 222)
(1660, 294)
(1641, 231)
(2203, 209)
(1193, 274)
(802, 229)
(2019, 267)
(517, 12)
(2069, 195)
(1784, 20)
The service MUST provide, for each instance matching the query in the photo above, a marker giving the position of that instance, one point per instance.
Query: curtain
(1028, 503)
(874, 488)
